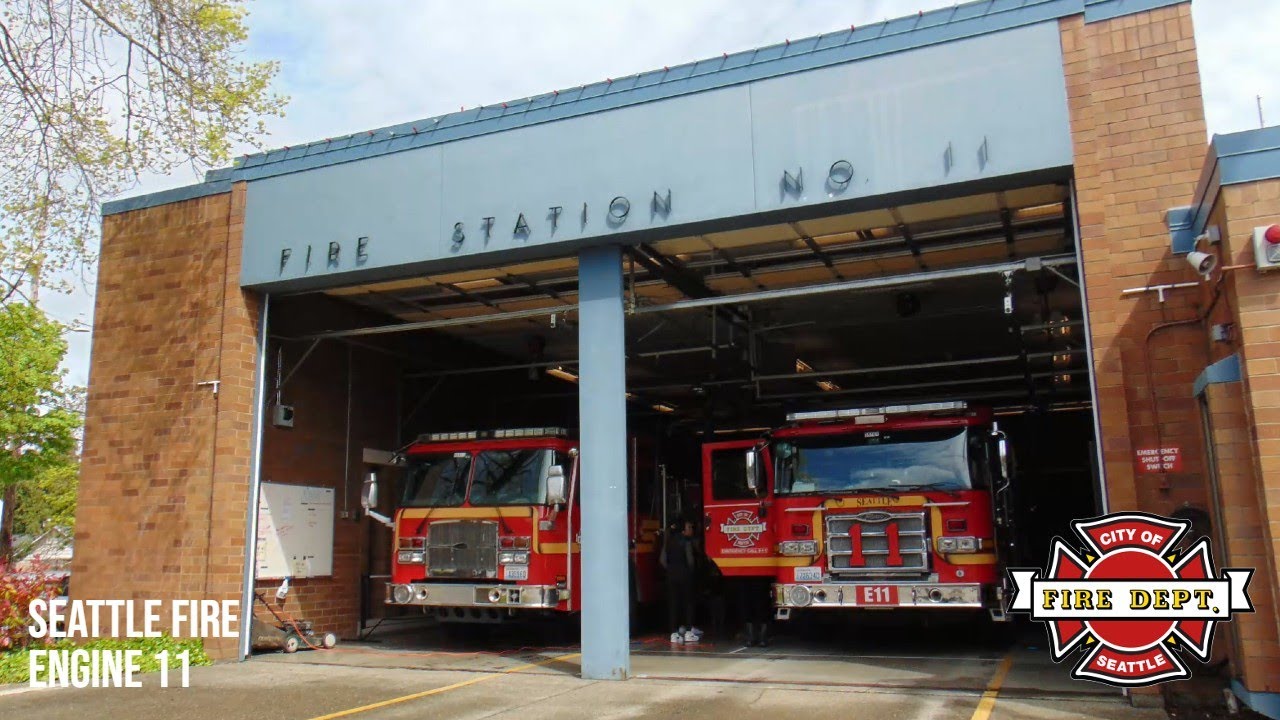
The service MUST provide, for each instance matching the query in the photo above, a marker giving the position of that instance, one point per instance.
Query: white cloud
(356, 66)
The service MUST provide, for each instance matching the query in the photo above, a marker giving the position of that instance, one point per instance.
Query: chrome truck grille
(878, 543)
(462, 549)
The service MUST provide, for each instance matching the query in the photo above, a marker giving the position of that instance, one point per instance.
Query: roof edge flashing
(165, 197)
(1100, 10)
(1233, 159)
(1226, 370)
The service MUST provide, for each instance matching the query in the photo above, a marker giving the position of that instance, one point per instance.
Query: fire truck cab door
(737, 523)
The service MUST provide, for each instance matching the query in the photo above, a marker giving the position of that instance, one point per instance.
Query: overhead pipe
(743, 298)
(889, 368)
(875, 283)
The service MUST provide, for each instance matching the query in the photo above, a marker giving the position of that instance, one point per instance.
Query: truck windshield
(876, 461)
(511, 477)
(437, 480)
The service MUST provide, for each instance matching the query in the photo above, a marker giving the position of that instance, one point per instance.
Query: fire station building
(1013, 204)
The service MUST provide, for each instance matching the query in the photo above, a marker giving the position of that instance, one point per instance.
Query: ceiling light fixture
(561, 373)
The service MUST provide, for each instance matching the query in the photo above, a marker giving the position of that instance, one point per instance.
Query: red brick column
(164, 479)
(1137, 124)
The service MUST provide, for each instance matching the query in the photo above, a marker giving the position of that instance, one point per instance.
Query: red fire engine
(484, 525)
(892, 507)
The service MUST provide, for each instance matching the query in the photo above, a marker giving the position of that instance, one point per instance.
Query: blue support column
(602, 387)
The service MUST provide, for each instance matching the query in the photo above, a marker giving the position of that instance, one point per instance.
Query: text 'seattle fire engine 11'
(893, 507)
(487, 525)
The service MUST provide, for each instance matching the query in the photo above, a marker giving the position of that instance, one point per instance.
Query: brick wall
(165, 471)
(1138, 130)
(1257, 656)
(1250, 300)
(322, 450)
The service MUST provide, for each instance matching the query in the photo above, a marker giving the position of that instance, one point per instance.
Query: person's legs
(690, 605)
(677, 590)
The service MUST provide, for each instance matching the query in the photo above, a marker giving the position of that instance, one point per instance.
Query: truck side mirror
(556, 491)
(369, 493)
(753, 471)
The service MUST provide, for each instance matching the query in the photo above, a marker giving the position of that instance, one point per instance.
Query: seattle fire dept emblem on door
(743, 528)
(1134, 600)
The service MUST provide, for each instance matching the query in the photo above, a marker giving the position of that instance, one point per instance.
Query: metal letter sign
(793, 183)
(840, 174)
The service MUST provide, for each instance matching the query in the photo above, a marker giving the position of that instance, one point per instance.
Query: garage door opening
(970, 305)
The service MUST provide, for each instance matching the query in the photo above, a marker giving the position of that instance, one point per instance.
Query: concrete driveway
(378, 682)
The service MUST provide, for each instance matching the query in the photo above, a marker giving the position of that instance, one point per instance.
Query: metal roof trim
(1233, 159)
(1099, 10)
(1226, 370)
(164, 197)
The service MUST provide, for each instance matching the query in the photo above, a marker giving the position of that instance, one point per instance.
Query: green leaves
(38, 417)
(97, 93)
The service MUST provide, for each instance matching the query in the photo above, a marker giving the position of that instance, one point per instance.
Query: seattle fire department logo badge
(1132, 600)
(743, 528)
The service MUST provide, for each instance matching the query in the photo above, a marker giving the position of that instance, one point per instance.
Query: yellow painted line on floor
(439, 690)
(988, 701)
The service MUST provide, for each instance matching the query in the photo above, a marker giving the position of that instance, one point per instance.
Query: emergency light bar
(505, 434)
(886, 410)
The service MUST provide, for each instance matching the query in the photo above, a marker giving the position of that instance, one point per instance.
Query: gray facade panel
(978, 108)
(696, 147)
(393, 201)
(969, 110)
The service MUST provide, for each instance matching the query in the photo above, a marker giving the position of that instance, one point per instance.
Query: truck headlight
(799, 595)
(513, 557)
(951, 545)
(798, 547)
(409, 557)
(401, 594)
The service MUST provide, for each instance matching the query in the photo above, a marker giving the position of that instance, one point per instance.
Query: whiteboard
(295, 531)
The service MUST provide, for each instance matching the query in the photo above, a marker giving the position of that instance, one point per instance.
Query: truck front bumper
(474, 595)
(875, 595)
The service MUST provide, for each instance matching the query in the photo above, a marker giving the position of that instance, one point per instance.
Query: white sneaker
(696, 631)
(677, 638)
(692, 637)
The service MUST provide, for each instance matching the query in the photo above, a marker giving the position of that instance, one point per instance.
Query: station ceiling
(916, 340)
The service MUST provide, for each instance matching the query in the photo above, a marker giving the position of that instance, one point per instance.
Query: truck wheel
(291, 644)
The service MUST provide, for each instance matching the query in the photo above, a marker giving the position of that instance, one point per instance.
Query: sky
(350, 66)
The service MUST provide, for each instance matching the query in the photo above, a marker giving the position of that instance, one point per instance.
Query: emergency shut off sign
(1159, 460)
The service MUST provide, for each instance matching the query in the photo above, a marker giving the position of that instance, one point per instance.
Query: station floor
(397, 674)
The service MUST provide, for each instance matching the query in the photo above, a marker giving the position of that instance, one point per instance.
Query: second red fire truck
(892, 507)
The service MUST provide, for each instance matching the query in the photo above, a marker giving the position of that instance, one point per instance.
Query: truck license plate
(517, 572)
(808, 574)
(878, 595)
